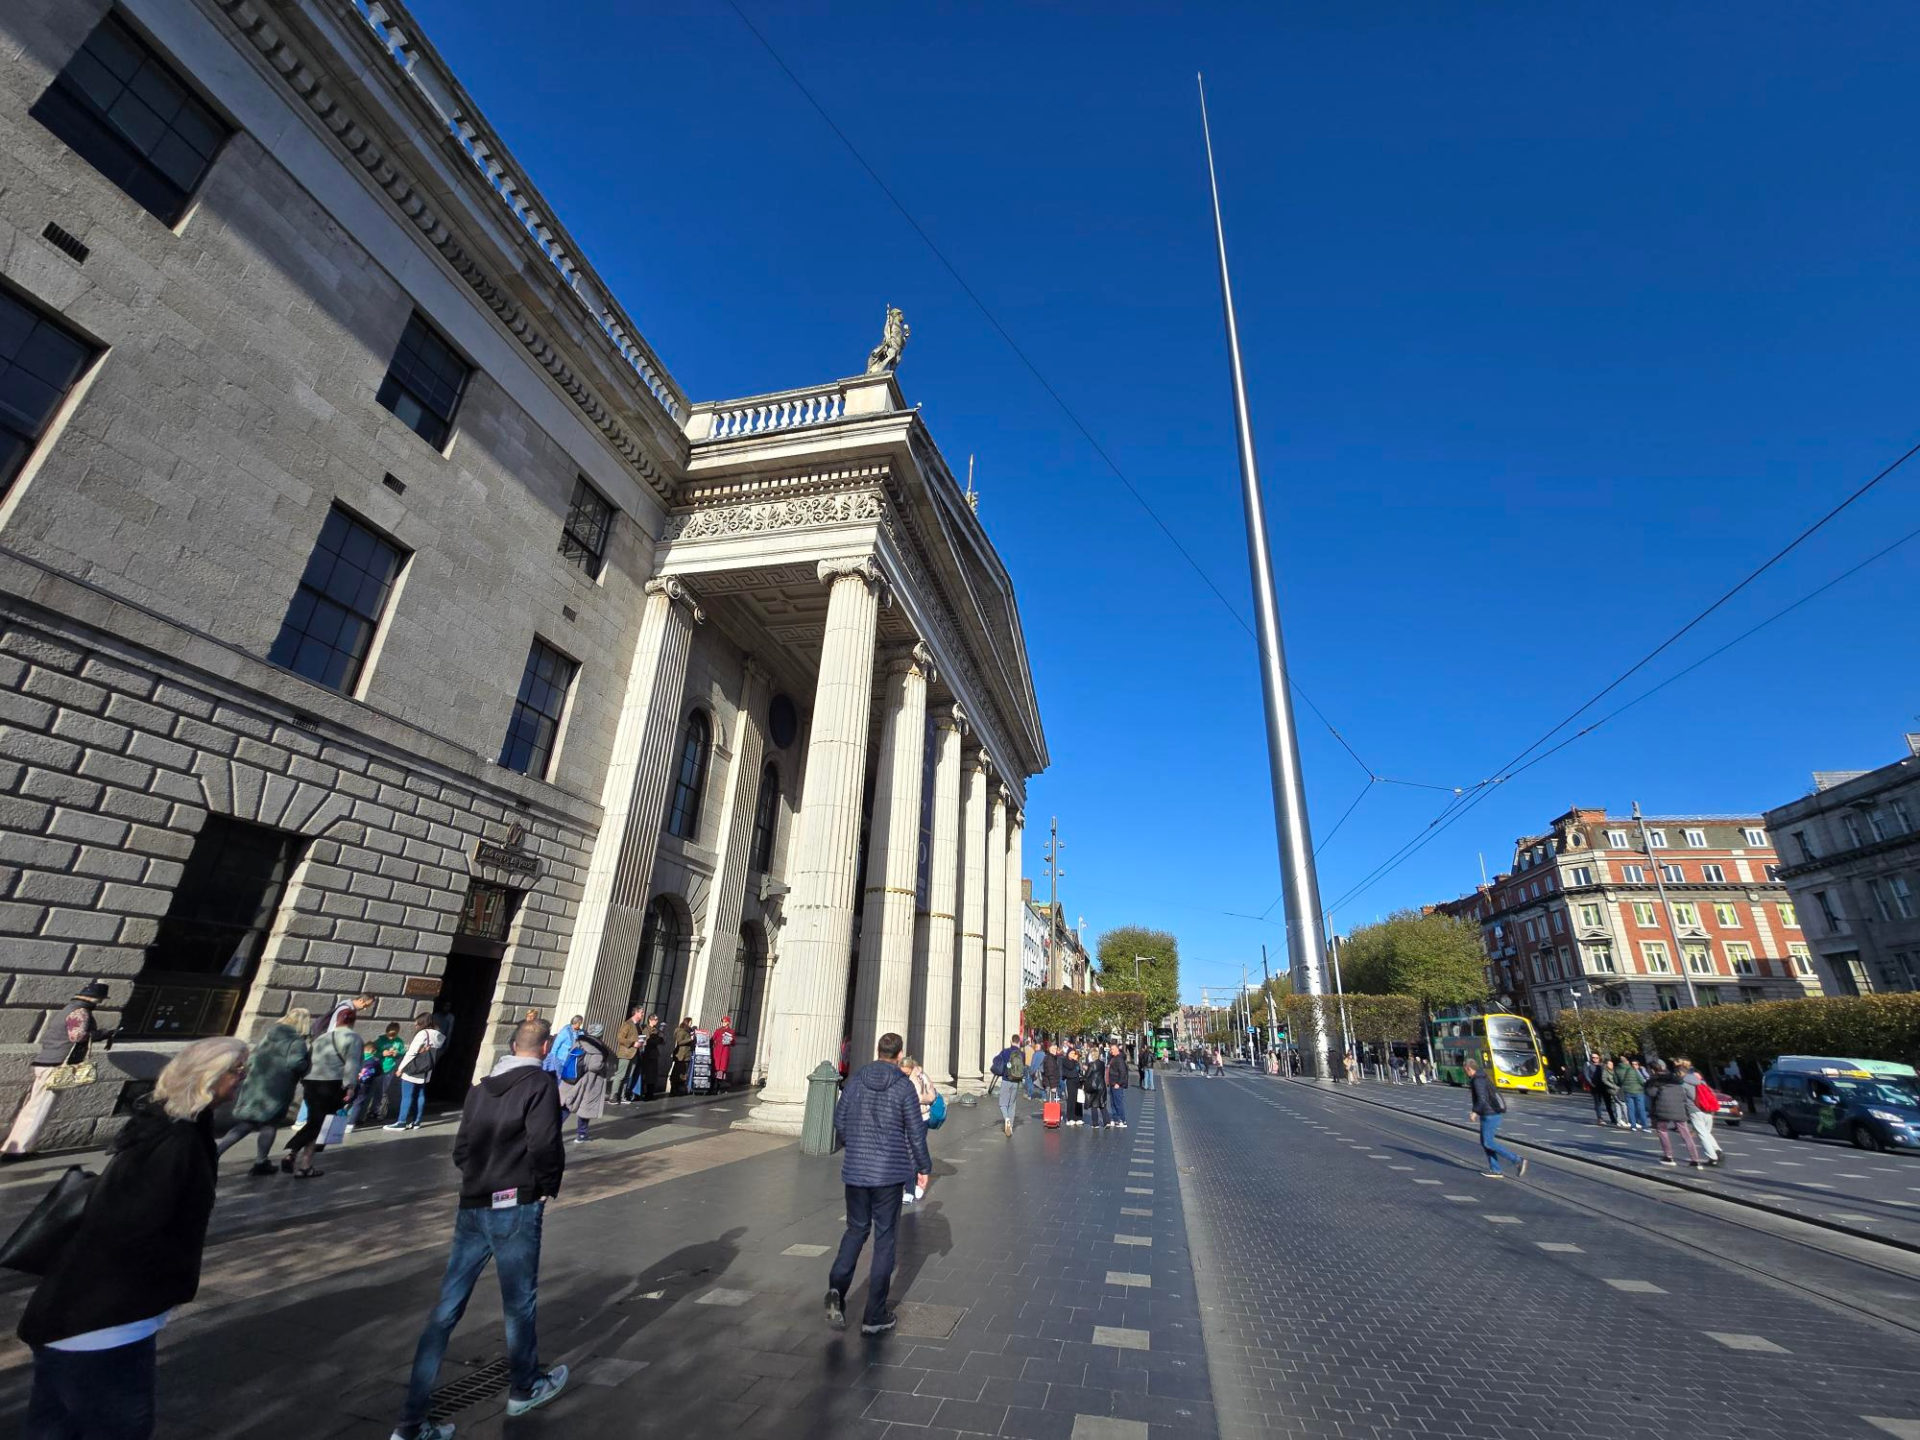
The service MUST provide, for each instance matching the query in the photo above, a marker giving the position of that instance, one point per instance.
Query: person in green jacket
(1633, 1092)
(278, 1063)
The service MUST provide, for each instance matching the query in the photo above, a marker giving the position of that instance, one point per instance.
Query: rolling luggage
(1050, 1114)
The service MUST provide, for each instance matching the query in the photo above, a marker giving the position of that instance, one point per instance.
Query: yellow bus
(1504, 1045)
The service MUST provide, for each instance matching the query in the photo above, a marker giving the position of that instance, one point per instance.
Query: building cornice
(525, 270)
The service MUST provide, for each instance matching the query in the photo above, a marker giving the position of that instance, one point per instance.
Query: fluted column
(605, 947)
(969, 976)
(715, 961)
(994, 1034)
(1016, 928)
(883, 985)
(931, 1032)
(805, 1017)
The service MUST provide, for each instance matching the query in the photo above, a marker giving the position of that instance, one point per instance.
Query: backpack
(570, 1067)
(937, 1112)
(1705, 1100)
(1000, 1063)
(1016, 1066)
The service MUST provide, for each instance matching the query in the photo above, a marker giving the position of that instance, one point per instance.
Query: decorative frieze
(805, 512)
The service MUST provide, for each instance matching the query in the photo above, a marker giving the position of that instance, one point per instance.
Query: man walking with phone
(878, 1121)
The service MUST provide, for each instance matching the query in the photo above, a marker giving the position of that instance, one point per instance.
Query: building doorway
(464, 1006)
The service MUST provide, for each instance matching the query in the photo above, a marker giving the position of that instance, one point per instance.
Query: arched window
(657, 973)
(766, 818)
(690, 779)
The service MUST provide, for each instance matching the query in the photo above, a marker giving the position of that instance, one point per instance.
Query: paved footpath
(1828, 1181)
(1360, 1278)
(1044, 1285)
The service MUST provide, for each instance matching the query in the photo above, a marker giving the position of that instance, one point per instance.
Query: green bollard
(816, 1127)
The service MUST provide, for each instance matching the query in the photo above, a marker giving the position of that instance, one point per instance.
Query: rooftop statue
(884, 358)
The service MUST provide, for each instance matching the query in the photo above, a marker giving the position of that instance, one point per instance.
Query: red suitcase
(1050, 1114)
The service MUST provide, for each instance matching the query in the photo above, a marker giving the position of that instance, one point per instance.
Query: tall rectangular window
(1590, 916)
(1633, 874)
(124, 111)
(1643, 914)
(535, 726)
(1673, 875)
(589, 524)
(1802, 957)
(1686, 914)
(1727, 917)
(424, 382)
(1699, 959)
(1714, 874)
(1602, 958)
(1654, 953)
(216, 926)
(1580, 875)
(40, 359)
(331, 623)
(1789, 915)
(1740, 956)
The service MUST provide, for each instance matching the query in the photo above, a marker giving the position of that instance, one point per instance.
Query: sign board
(700, 1073)
(421, 987)
(512, 855)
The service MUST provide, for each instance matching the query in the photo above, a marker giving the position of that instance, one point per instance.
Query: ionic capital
(951, 717)
(917, 661)
(861, 567)
(677, 591)
(975, 762)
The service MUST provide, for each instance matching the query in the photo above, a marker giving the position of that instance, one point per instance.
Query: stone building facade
(1688, 910)
(1851, 852)
(378, 616)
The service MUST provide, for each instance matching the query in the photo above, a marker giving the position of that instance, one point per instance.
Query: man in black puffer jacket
(511, 1157)
(878, 1119)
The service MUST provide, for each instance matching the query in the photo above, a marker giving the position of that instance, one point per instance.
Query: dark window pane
(683, 818)
(423, 384)
(766, 816)
(39, 362)
(215, 929)
(589, 522)
(335, 612)
(534, 725)
(655, 978)
(124, 111)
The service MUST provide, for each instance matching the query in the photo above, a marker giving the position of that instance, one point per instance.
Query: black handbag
(40, 1239)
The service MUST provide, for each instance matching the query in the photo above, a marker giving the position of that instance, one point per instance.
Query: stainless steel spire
(1300, 885)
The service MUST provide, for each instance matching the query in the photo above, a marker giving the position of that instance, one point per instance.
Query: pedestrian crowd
(1668, 1098)
(116, 1253)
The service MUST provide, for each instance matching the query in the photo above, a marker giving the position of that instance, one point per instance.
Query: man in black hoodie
(511, 1157)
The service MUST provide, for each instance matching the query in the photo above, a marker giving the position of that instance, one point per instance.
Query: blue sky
(1557, 321)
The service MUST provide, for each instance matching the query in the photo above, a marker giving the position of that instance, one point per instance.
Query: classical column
(605, 947)
(883, 985)
(995, 1031)
(1016, 914)
(710, 986)
(969, 977)
(932, 1027)
(808, 1007)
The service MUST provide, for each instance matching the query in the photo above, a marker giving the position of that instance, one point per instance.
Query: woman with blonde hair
(277, 1064)
(133, 1258)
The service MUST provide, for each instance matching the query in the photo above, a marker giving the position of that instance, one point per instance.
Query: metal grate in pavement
(928, 1322)
(484, 1383)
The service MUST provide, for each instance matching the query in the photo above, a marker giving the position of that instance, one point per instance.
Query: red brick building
(1644, 915)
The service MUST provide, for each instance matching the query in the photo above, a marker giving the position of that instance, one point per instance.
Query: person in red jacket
(722, 1050)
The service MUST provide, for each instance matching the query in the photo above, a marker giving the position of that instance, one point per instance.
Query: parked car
(1730, 1112)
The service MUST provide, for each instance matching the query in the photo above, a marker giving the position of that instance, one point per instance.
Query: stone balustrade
(786, 414)
(488, 155)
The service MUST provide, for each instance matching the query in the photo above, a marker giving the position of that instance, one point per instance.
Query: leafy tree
(1437, 959)
(1159, 954)
(1054, 1012)
(1611, 1032)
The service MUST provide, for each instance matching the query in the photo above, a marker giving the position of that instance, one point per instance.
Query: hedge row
(1866, 1027)
(1068, 1012)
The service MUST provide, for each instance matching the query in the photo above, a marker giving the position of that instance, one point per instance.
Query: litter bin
(816, 1127)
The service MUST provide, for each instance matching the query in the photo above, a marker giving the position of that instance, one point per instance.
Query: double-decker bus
(1505, 1046)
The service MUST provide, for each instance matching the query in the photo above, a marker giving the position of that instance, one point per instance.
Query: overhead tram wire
(1033, 369)
(1443, 821)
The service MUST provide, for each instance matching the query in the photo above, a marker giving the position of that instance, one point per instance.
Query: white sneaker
(395, 1126)
(544, 1389)
(429, 1430)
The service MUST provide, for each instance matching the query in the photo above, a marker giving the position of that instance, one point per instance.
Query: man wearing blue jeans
(1009, 1068)
(510, 1156)
(1117, 1084)
(878, 1120)
(1488, 1107)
